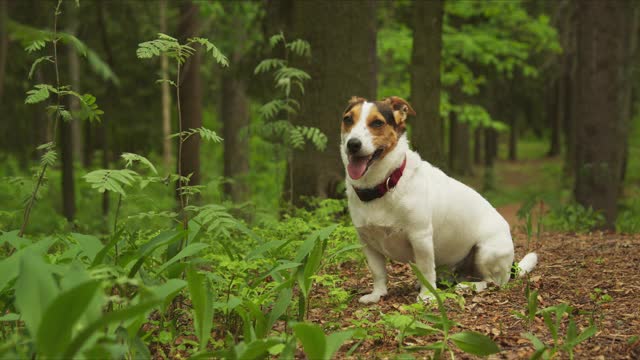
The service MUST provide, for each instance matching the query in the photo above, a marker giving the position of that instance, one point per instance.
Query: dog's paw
(371, 298)
(425, 297)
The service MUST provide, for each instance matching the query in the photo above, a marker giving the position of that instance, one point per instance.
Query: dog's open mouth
(358, 165)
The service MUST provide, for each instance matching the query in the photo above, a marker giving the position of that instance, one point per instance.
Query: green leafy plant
(468, 341)
(553, 316)
(574, 217)
(286, 78)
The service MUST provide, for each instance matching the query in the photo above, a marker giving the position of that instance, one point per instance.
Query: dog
(407, 210)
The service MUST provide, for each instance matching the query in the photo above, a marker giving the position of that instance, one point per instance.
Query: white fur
(429, 218)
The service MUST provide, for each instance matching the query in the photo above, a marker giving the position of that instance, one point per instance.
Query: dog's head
(370, 131)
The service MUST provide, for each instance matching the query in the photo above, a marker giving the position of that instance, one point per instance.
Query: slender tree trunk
(191, 95)
(235, 114)
(74, 75)
(103, 129)
(459, 150)
(477, 145)
(555, 114)
(167, 149)
(68, 186)
(427, 131)
(342, 45)
(4, 44)
(513, 137)
(602, 98)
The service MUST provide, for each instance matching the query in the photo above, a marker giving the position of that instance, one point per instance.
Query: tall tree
(74, 77)
(605, 45)
(4, 43)
(459, 146)
(343, 64)
(190, 94)
(166, 95)
(427, 134)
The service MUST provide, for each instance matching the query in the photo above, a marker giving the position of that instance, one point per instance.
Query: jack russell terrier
(407, 210)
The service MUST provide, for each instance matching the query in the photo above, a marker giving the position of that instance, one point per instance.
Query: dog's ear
(355, 100)
(401, 108)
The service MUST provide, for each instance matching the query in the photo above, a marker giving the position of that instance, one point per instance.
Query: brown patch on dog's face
(401, 109)
(352, 113)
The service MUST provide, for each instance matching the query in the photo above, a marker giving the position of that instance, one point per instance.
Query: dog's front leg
(422, 243)
(377, 265)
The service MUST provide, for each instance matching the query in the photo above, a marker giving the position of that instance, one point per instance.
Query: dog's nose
(354, 145)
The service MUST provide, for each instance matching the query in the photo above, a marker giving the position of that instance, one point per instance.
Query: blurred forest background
(491, 82)
(171, 185)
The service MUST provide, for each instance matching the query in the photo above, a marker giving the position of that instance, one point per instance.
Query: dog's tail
(527, 264)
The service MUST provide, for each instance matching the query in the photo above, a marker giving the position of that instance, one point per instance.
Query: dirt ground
(570, 267)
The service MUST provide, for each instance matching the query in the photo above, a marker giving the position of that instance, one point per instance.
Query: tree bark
(602, 98)
(74, 77)
(513, 136)
(190, 95)
(459, 150)
(477, 146)
(68, 186)
(234, 112)
(427, 131)
(167, 149)
(342, 65)
(4, 44)
(555, 114)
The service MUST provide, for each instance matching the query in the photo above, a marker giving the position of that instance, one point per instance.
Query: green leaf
(475, 343)
(10, 267)
(40, 93)
(129, 158)
(58, 322)
(202, 301)
(37, 62)
(90, 245)
(35, 289)
(280, 306)
(335, 340)
(313, 340)
(191, 249)
(107, 319)
(162, 239)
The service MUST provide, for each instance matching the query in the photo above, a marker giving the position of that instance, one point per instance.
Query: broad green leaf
(475, 343)
(60, 318)
(280, 306)
(186, 252)
(9, 267)
(313, 340)
(202, 301)
(109, 318)
(167, 291)
(35, 289)
(309, 242)
(162, 239)
(335, 340)
(90, 245)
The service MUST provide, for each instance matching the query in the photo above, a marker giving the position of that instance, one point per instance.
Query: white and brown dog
(407, 210)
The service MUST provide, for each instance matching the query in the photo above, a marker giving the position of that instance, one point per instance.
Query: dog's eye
(376, 123)
(348, 120)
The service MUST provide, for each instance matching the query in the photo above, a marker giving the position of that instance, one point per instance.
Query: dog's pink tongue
(357, 167)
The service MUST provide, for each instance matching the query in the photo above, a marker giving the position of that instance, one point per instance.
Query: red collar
(379, 190)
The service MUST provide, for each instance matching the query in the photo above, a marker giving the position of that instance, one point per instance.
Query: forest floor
(581, 270)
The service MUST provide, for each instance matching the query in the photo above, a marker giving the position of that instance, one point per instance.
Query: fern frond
(129, 158)
(300, 47)
(299, 135)
(275, 39)
(214, 219)
(271, 109)
(37, 62)
(269, 64)
(205, 134)
(211, 48)
(49, 157)
(163, 44)
(40, 93)
(111, 180)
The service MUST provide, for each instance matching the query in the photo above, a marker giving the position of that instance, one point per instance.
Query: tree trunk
(555, 114)
(4, 44)
(74, 77)
(602, 97)
(343, 65)
(477, 145)
(513, 136)
(102, 128)
(167, 149)
(459, 151)
(190, 95)
(234, 112)
(68, 186)
(426, 130)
